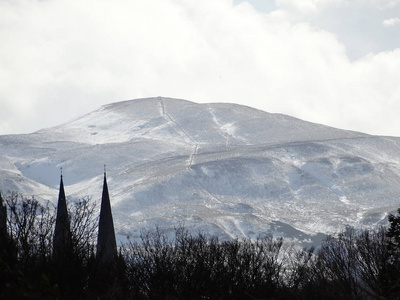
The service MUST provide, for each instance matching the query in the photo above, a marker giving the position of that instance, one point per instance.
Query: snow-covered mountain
(224, 169)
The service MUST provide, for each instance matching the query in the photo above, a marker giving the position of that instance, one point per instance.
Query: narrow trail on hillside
(179, 126)
(224, 133)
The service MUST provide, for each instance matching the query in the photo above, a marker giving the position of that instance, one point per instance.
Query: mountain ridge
(226, 169)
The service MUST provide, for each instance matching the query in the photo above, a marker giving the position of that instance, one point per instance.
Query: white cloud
(391, 22)
(64, 58)
(307, 6)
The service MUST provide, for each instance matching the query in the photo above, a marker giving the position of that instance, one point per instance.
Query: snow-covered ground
(220, 168)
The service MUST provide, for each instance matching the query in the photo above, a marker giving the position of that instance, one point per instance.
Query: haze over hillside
(224, 169)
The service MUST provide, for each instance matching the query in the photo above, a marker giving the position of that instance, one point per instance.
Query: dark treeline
(354, 264)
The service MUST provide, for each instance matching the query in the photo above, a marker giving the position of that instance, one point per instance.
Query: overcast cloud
(335, 62)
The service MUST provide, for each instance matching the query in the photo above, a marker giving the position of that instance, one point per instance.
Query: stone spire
(62, 232)
(106, 243)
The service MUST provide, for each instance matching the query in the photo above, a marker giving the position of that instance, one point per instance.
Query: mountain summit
(220, 168)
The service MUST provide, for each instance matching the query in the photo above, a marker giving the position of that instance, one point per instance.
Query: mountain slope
(222, 168)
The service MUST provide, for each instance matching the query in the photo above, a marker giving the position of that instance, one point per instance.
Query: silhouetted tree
(392, 279)
(35, 272)
(201, 267)
(30, 225)
(393, 231)
(3, 219)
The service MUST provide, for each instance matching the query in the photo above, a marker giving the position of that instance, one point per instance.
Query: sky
(334, 62)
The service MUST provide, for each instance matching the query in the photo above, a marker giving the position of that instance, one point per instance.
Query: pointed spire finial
(104, 169)
(61, 171)
(62, 231)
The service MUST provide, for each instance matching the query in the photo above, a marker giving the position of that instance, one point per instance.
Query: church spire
(106, 243)
(62, 232)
